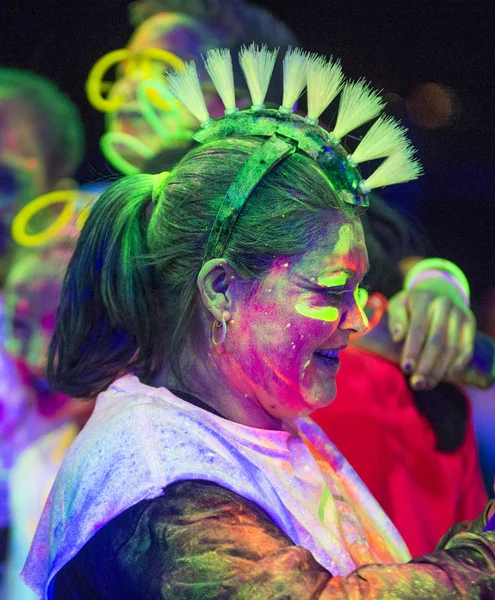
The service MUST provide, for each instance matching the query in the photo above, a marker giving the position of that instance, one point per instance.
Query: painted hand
(438, 331)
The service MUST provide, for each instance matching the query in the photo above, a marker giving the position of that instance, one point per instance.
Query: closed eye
(334, 291)
(338, 291)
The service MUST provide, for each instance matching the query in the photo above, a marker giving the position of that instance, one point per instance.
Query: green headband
(286, 132)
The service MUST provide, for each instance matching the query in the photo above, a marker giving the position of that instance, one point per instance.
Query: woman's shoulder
(138, 441)
(176, 530)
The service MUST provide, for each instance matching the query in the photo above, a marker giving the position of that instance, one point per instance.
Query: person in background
(37, 425)
(41, 147)
(188, 30)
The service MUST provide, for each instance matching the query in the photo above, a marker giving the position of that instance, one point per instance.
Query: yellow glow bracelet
(95, 81)
(140, 60)
(19, 233)
(107, 145)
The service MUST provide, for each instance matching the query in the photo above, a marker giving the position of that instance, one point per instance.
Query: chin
(309, 401)
(321, 395)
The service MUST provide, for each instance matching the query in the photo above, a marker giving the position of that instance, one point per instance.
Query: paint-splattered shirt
(201, 541)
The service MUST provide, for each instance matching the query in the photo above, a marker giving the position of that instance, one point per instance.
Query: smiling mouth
(328, 354)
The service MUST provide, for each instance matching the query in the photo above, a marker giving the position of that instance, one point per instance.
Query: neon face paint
(280, 365)
(344, 243)
(359, 304)
(322, 313)
(335, 280)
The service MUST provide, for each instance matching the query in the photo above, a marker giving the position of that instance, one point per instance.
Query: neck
(210, 378)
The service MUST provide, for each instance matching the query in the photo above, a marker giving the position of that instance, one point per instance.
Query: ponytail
(111, 317)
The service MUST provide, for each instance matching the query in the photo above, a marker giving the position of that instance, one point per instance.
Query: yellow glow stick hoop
(141, 60)
(94, 82)
(19, 226)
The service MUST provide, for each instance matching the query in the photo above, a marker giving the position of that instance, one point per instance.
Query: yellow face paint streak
(344, 243)
(337, 280)
(358, 302)
(321, 313)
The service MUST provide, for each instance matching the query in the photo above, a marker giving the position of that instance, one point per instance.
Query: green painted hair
(57, 120)
(130, 295)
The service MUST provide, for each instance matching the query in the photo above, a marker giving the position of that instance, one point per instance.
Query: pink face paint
(283, 367)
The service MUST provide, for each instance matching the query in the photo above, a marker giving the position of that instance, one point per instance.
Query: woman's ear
(215, 286)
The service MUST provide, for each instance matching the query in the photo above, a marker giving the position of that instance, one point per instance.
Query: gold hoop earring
(216, 325)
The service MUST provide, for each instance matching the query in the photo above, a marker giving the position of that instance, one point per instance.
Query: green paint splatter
(335, 280)
(321, 313)
(323, 502)
(359, 301)
(344, 243)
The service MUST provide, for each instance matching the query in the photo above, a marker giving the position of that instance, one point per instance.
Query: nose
(354, 319)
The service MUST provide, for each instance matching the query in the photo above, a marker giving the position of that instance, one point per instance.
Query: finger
(448, 351)
(398, 318)
(466, 345)
(420, 306)
(433, 342)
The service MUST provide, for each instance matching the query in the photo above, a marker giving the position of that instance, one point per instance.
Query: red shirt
(375, 424)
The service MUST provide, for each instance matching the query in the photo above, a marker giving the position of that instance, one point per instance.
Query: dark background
(396, 45)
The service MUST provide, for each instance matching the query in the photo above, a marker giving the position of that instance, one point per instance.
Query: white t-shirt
(141, 439)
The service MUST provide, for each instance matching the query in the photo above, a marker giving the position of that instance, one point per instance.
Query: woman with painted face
(205, 309)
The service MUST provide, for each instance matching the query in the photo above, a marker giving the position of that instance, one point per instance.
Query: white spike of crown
(186, 87)
(295, 77)
(382, 139)
(359, 103)
(257, 65)
(218, 64)
(324, 79)
(399, 167)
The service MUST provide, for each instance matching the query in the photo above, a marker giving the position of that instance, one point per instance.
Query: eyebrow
(342, 269)
(338, 269)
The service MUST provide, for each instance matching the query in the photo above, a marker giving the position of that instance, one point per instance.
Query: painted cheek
(328, 314)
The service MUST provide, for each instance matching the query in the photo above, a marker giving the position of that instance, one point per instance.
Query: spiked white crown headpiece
(287, 132)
